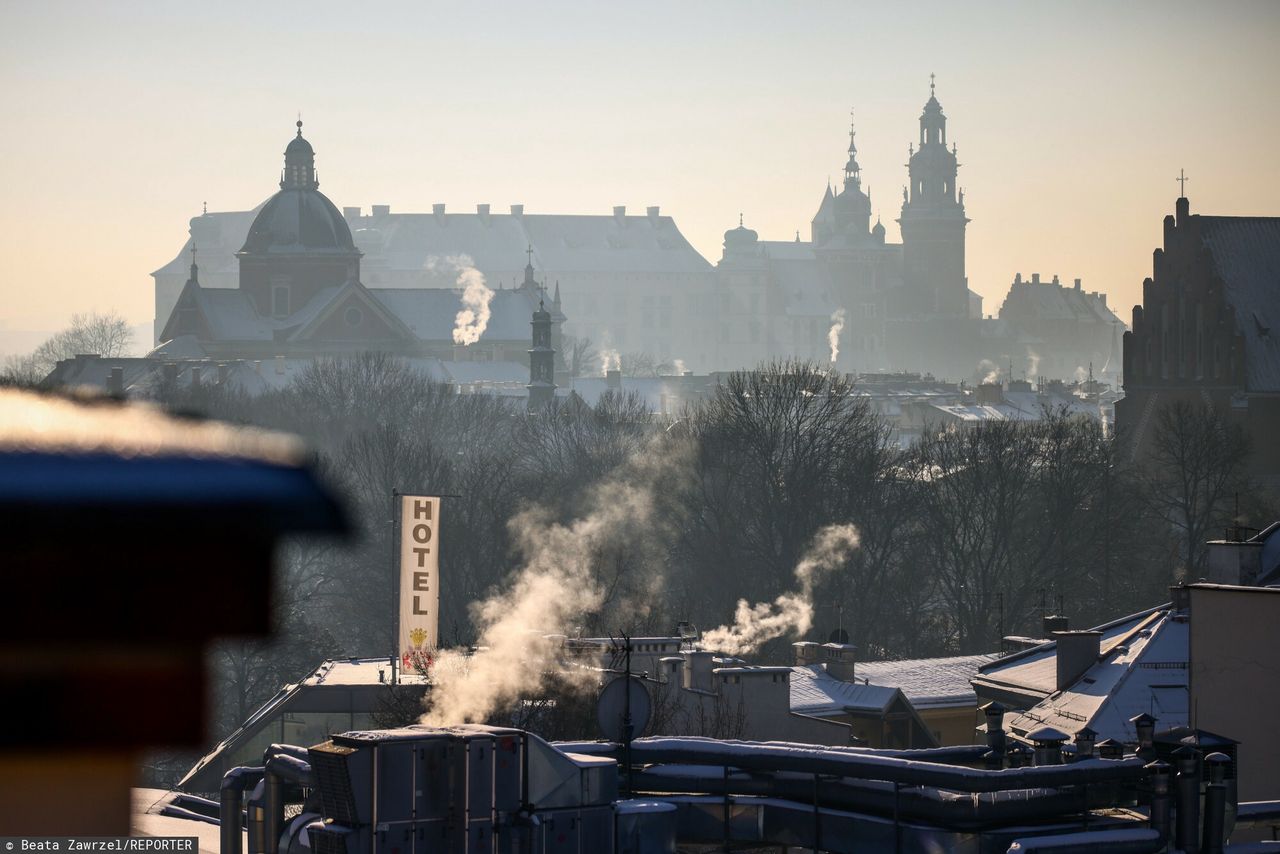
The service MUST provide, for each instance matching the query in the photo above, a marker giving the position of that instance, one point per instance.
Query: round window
(353, 316)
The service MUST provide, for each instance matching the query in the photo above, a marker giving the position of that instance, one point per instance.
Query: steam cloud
(790, 613)
(610, 360)
(473, 319)
(555, 585)
(833, 334)
(992, 374)
(1033, 364)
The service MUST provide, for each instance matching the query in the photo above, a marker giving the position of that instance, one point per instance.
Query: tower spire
(299, 163)
(195, 271)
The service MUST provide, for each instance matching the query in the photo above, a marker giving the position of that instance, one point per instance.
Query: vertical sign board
(419, 580)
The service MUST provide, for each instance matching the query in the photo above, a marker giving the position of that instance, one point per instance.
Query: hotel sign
(419, 580)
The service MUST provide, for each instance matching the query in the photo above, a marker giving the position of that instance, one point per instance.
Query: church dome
(296, 220)
(299, 218)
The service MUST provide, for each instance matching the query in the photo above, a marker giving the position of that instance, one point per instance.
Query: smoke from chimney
(556, 585)
(790, 613)
(470, 322)
(833, 334)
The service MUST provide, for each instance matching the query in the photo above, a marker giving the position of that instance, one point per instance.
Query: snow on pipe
(955, 753)
(880, 798)
(806, 758)
(1125, 841)
(230, 806)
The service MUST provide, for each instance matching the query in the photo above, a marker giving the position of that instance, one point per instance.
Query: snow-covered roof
(813, 692)
(1033, 673)
(928, 682)
(1145, 670)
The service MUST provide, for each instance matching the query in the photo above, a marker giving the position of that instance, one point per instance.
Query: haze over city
(1072, 123)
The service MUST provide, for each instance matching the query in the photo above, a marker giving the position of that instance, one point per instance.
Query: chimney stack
(381, 211)
(807, 652)
(841, 658)
(115, 382)
(620, 214)
(437, 210)
(483, 212)
(613, 380)
(652, 212)
(1077, 652)
(517, 210)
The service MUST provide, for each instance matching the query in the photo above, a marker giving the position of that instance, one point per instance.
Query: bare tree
(579, 355)
(102, 334)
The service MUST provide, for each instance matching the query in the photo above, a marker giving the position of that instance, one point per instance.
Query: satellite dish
(838, 636)
(612, 707)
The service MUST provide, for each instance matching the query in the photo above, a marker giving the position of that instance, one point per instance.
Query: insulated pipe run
(231, 805)
(806, 758)
(282, 766)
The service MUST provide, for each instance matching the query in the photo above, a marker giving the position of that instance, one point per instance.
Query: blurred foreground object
(131, 539)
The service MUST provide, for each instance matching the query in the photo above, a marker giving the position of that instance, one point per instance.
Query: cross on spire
(739, 219)
(529, 254)
(1182, 180)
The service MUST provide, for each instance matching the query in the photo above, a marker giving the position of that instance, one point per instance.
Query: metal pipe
(1215, 804)
(1160, 803)
(810, 759)
(1187, 793)
(282, 765)
(231, 806)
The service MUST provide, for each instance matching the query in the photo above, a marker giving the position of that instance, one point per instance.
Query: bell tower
(933, 223)
(542, 383)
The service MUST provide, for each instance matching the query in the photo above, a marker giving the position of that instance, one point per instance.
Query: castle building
(848, 297)
(299, 293)
(1208, 330)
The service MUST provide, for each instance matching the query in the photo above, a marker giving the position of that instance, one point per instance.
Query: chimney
(350, 214)
(613, 380)
(115, 382)
(438, 211)
(653, 212)
(1180, 596)
(697, 670)
(1054, 623)
(807, 652)
(1077, 284)
(989, 394)
(620, 214)
(1055, 279)
(1017, 278)
(1048, 742)
(517, 210)
(380, 211)
(840, 659)
(483, 212)
(1077, 652)
(1035, 278)
(1233, 562)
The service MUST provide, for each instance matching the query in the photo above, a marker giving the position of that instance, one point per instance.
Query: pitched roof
(1246, 256)
(813, 692)
(928, 682)
(1146, 671)
(1050, 301)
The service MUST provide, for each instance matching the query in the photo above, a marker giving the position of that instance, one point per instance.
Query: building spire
(299, 163)
(195, 272)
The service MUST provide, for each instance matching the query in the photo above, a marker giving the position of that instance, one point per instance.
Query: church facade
(299, 293)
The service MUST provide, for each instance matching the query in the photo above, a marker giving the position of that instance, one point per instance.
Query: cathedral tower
(933, 224)
(542, 356)
(846, 214)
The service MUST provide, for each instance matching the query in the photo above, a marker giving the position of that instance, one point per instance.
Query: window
(353, 316)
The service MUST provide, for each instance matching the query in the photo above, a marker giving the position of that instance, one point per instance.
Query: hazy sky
(1072, 121)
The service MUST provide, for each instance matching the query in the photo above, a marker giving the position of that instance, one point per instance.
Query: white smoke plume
(992, 374)
(473, 318)
(554, 587)
(1033, 364)
(791, 613)
(833, 334)
(679, 367)
(610, 360)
